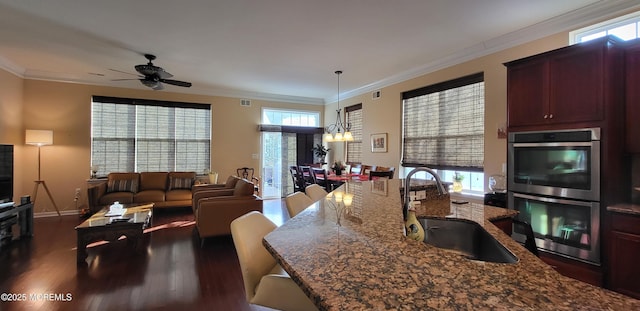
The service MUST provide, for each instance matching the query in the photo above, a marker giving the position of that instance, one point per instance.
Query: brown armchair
(215, 209)
(203, 191)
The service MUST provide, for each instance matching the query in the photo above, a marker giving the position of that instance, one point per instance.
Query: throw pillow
(122, 185)
(180, 183)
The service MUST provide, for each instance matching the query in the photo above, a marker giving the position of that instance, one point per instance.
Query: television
(6, 173)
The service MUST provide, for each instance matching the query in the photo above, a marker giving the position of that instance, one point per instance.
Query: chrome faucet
(407, 182)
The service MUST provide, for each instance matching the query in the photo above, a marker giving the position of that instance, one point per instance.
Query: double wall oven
(554, 183)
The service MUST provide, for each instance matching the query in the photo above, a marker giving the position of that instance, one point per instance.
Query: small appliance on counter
(498, 199)
(498, 195)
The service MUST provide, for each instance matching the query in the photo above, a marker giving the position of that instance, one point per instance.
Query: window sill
(467, 196)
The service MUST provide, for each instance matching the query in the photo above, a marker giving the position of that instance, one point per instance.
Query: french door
(280, 150)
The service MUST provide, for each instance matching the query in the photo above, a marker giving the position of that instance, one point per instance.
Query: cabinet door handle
(545, 116)
(551, 116)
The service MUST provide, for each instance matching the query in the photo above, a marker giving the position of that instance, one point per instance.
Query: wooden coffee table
(103, 228)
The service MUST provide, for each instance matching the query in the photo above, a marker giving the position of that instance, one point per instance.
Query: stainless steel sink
(466, 237)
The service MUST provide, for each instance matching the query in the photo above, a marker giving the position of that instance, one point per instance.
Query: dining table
(334, 181)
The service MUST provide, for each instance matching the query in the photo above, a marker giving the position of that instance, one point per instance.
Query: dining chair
(296, 178)
(367, 168)
(384, 168)
(248, 173)
(356, 169)
(296, 203)
(315, 192)
(265, 282)
(380, 174)
(320, 176)
(307, 175)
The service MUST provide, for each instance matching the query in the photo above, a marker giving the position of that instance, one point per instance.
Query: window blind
(130, 135)
(443, 125)
(354, 148)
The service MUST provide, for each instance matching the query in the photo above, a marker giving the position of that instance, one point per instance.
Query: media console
(22, 215)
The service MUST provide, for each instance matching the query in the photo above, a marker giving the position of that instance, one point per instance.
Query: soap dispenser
(413, 227)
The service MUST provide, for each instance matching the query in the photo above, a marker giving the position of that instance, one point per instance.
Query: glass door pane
(271, 165)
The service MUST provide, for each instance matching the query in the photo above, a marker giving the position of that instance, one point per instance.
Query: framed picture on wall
(379, 142)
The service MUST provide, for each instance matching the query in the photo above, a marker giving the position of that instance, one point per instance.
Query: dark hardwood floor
(172, 273)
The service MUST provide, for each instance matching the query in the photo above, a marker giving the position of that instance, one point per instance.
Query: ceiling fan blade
(176, 82)
(163, 74)
(123, 79)
(120, 71)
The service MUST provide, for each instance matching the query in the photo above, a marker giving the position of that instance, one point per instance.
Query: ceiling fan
(153, 76)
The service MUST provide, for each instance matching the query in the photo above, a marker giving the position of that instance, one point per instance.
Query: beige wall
(65, 108)
(11, 122)
(384, 115)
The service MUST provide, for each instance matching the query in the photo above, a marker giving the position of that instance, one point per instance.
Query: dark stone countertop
(355, 257)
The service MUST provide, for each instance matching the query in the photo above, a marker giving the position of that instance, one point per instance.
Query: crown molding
(11, 67)
(569, 21)
(195, 90)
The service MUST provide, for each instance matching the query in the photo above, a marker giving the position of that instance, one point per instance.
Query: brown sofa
(214, 207)
(164, 189)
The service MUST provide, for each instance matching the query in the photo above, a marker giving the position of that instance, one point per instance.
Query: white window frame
(309, 114)
(590, 32)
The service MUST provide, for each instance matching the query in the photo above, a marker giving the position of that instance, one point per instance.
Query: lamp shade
(39, 137)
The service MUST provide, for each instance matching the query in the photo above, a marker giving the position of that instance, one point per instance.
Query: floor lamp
(40, 138)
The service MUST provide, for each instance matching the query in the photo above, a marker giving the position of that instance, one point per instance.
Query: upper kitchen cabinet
(632, 71)
(567, 85)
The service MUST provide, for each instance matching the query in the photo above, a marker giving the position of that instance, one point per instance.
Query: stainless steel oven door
(565, 227)
(559, 169)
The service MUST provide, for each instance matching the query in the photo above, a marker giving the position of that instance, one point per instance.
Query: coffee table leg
(81, 248)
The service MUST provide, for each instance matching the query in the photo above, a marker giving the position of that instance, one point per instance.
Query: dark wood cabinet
(563, 86)
(624, 252)
(574, 269)
(504, 224)
(527, 93)
(632, 92)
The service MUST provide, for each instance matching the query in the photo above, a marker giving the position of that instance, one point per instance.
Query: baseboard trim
(55, 214)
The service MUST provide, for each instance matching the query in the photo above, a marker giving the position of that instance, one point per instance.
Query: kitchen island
(352, 255)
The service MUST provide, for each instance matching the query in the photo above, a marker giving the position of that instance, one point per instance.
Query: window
(290, 117)
(626, 27)
(443, 128)
(132, 135)
(288, 137)
(353, 115)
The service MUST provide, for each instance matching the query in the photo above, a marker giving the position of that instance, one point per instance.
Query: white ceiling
(273, 49)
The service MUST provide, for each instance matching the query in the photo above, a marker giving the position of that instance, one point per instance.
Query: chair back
(296, 177)
(366, 169)
(307, 175)
(530, 242)
(296, 203)
(320, 176)
(315, 192)
(356, 169)
(246, 172)
(384, 168)
(380, 174)
(247, 232)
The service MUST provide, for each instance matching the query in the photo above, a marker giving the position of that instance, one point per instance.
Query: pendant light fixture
(334, 132)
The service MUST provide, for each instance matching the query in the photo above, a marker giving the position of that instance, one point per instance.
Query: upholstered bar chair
(265, 282)
(315, 192)
(296, 203)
